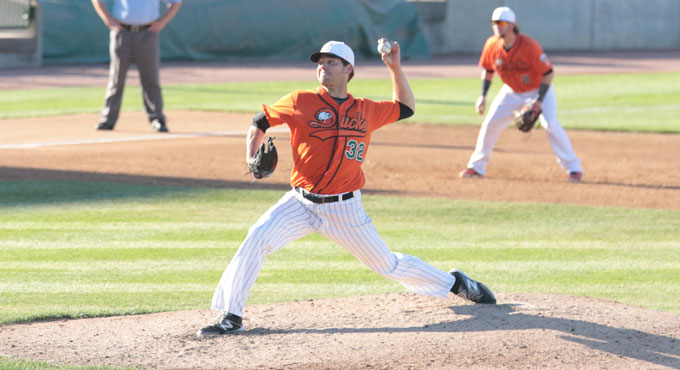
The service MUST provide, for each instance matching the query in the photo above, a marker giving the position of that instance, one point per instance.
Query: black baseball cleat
(103, 127)
(159, 125)
(471, 289)
(226, 323)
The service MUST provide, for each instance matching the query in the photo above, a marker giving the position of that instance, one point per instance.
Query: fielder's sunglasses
(499, 23)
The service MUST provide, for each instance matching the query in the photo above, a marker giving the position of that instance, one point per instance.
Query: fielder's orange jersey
(522, 67)
(329, 141)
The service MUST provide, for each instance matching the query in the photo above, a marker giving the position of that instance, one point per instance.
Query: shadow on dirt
(617, 341)
(628, 343)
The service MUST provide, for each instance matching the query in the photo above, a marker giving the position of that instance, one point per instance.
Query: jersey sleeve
(541, 62)
(384, 112)
(486, 59)
(281, 111)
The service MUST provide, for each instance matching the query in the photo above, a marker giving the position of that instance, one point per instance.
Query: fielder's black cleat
(470, 289)
(225, 323)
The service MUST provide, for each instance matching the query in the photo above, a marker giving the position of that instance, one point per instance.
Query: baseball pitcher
(330, 135)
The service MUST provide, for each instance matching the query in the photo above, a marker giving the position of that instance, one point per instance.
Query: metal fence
(15, 14)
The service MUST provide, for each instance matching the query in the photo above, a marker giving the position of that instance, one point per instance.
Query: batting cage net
(15, 14)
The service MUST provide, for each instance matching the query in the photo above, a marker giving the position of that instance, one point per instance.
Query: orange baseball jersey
(522, 67)
(329, 141)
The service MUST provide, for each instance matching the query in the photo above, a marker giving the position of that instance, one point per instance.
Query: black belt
(131, 28)
(321, 199)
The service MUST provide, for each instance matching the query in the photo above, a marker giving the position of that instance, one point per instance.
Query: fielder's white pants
(499, 117)
(344, 222)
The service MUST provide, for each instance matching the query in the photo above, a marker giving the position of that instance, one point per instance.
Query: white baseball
(384, 47)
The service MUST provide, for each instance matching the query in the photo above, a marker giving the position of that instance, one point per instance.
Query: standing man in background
(134, 26)
(527, 76)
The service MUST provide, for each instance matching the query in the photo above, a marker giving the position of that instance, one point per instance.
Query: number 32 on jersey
(355, 150)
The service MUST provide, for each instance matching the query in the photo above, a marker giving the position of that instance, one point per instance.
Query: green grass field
(624, 102)
(78, 249)
(89, 249)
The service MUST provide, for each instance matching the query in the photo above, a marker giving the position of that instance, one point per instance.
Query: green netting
(211, 30)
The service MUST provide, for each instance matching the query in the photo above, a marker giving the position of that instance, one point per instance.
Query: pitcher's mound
(393, 331)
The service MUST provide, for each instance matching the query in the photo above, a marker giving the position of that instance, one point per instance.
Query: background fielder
(330, 134)
(527, 76)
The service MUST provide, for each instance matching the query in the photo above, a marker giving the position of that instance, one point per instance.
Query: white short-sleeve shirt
(137, 12)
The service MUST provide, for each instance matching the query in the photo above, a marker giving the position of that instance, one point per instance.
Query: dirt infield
(395, 331)
(206, 149)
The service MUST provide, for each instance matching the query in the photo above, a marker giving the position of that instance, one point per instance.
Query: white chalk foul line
(631, 109)
(132, 138)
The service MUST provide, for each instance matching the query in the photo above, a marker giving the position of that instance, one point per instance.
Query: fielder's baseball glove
(526, 117)
(265, 162)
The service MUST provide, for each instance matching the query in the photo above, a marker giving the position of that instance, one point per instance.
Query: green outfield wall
(212, 30)
(218, 30)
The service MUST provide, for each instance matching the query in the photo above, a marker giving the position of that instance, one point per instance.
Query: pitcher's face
(330, 71)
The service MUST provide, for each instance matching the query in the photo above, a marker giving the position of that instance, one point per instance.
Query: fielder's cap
(503, 14)
(335, 48)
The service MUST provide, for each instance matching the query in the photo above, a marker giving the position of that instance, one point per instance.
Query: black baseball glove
(525, 118)
(264, 163)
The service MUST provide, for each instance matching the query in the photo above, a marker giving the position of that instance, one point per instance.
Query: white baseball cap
(336, 48)
(503, 14)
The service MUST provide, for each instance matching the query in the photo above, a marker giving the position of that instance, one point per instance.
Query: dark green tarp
(213, 30)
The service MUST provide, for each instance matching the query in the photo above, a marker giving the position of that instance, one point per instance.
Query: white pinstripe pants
(344, 222)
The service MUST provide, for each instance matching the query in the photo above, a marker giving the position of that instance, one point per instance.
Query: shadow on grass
(21, 187)
(30, 186)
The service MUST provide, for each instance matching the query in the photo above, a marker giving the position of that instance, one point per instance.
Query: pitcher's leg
(349, 226)
(284, 222)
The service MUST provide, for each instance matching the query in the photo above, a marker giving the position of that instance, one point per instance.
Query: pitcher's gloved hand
(264, 162)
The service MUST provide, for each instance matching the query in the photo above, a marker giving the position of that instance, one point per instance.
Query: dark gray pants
(143, 49)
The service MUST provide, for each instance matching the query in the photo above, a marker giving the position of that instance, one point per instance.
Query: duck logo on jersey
(348, 126)
(325, 118)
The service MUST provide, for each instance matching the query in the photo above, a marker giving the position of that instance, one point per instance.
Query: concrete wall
(558, 24)
(22, 47)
